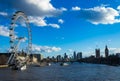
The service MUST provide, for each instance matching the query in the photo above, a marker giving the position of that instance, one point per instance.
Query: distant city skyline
(64, 26)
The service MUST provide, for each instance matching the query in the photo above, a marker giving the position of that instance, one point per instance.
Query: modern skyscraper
(59, 58)
(97, 52)
(79, 55)
(74, 55)
(65, 56)
(106, 51)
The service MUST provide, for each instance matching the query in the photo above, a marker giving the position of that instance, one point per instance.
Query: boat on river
(64, 64)
(48, 64)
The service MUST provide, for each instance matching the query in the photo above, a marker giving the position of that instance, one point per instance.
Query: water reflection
(55, 72)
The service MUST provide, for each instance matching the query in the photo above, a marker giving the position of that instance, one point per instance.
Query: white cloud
(44, 5)
(4, 31)
(61, 21)
(39, 21)
(54, 25)
(63, 9)
(3, 13)
(100, 15)
(114, 50)
(47, 49)
(76, 8)
(118, 7)
(37, 10)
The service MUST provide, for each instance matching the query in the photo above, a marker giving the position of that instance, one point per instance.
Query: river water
(55, 72)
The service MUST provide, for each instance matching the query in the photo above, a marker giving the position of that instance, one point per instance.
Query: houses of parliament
(106, 52)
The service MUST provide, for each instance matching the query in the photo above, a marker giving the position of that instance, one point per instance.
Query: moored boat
(24, 67)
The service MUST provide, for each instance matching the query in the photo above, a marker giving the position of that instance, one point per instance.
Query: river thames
(55, 72)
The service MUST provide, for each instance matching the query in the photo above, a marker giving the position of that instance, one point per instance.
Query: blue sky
(60, 26)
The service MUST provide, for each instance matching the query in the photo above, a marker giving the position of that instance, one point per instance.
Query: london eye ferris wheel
(15, 40)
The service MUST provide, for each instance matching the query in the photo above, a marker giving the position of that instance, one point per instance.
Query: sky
(60, 26)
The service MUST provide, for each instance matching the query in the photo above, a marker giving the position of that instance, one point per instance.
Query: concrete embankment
(3, 66)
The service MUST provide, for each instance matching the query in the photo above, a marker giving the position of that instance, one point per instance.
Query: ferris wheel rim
(12, 27)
